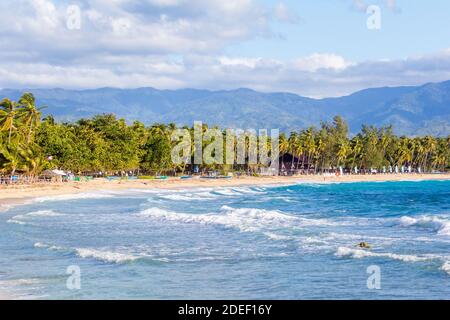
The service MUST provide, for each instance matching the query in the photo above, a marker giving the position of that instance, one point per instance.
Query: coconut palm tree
(30, 113)
(308, 137)
(299, 149)
(33, 160)
(13, 160)
(430, 147)
(356, 150)
(283, 146)
(293, 139)
(8, 117)
(344, 150)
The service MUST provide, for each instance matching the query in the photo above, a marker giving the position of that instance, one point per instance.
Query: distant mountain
(411, 110)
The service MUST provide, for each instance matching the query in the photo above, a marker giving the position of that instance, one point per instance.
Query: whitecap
(16, 221)
(275, 236)
(226, 192)
(19, 219)
(75, 196)
(105, 256)
(47, 246)
(200, 196)
(436, 224)
(242, 219)
(361, 253)
(247, 190)
(446, 267)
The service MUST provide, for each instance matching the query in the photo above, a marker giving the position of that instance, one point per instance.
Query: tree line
(103, 143)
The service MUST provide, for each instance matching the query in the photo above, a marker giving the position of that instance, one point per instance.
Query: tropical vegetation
(29, 145)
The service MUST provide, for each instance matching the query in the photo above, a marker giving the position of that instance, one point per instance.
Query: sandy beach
(15, 195)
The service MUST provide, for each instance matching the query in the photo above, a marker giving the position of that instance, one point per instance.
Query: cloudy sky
(313, 48)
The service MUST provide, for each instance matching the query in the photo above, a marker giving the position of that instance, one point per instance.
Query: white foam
(47, 246)
(19, 219)
(106, 256)
(361, 253)
(227, 192)
(439, 225)
(102, 255)
(446, 267)
(75, 196)
(247, 190)
(16, 221)
(275, 236)
(246, 220)
(189, 196)
(43, 213)
(243, 219)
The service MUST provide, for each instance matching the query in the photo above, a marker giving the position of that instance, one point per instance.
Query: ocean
(268, 242)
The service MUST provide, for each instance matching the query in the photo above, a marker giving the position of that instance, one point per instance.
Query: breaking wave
(446, 267)
(22, 218)
(439, 225)
(361, 253)
(105, 256)
(75, 196)
(243, 219)
(49, 247)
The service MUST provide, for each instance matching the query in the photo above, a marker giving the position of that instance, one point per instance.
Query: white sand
(12, 195)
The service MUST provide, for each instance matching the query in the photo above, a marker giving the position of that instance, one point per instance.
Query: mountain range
(412, 110)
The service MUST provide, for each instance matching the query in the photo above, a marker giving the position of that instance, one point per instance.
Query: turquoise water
(289, 242)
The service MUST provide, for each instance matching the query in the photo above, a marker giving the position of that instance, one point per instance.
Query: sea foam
(446, 267)
(22, 218)
(104, 255)
(75, 196)
(242, 219)
(361, 253)
(439, 225)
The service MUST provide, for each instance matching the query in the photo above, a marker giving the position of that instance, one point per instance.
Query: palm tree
(319, 149)
(299, 149)
(13, 161)
(430, 147)
(404, 151)
(8, 115)
(441, 155)
(308, 137)
(356, 150)
(344, 150)
(293, 138)
(33, 160)
(283, 146)
(30, 113)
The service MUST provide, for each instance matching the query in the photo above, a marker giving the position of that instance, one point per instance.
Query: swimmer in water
(363, 245)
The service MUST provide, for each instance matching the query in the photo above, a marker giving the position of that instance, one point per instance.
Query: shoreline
(19, 195)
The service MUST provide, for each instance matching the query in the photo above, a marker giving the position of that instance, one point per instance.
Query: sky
(320, 48)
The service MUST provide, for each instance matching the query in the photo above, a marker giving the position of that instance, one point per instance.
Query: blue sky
(313, 48)
(413, 27)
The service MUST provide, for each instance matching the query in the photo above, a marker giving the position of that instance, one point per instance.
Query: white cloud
(317, 61)
(318, 75)
(177, 44)
(152, 26)
(361, 5)
(284, 14)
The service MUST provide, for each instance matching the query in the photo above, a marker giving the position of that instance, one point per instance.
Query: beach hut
(54, 175)
(289, 164)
